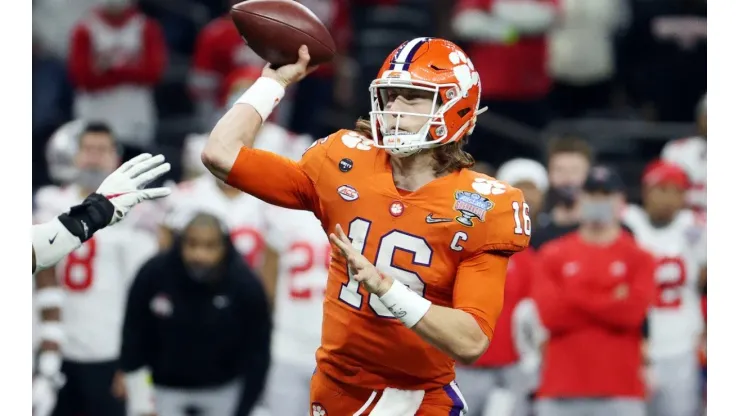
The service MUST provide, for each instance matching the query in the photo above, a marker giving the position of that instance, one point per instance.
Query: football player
(88, 286)
(690, 153)
(399, 185)
(675, 237)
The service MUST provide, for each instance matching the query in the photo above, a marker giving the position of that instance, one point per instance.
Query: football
(275, 29)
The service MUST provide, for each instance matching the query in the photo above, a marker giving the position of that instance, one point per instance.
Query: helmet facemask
(391, 136)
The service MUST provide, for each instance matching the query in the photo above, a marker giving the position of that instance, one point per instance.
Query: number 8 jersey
(680, 251)
(433, 240)
(95, 278)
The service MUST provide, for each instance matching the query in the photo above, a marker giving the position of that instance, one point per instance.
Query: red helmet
(427, 64)
(660, 172)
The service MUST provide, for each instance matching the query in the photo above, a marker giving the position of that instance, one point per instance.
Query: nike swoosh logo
(431, 220)
(52, 239)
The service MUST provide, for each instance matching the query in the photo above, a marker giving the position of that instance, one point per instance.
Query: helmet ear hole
(462, 113)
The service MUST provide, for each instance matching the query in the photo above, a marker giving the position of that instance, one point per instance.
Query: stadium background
(624, 75)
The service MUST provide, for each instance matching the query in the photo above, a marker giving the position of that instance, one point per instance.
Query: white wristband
(404, 304)
(264, 95)
(51, 242)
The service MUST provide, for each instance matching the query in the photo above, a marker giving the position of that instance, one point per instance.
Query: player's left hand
(362, 270)
(124, 187)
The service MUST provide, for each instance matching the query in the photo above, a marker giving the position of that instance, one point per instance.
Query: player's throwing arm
(115, 197)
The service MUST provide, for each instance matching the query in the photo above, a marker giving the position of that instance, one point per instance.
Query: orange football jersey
(437, 240)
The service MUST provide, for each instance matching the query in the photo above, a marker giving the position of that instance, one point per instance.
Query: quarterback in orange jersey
(425, 240)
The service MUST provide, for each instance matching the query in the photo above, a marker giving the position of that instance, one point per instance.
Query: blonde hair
(449, 157)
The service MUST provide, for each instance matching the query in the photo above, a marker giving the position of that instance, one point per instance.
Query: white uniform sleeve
(51, 242)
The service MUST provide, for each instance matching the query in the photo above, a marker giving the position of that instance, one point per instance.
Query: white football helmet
(61, 150)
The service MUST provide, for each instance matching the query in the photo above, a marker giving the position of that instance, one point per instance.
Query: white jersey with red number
(96, 278)
(691, 154)
(243, 214)
(675, 319)
(303, 268)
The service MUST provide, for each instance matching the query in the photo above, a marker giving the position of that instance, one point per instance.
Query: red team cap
(661, 173)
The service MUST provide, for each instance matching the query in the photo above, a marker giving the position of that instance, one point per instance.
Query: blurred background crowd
(569, 84)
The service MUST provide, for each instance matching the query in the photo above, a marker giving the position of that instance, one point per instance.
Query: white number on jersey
(311, 253)
(78, 271)
(359, 229)
(670, 274)
(518, 229)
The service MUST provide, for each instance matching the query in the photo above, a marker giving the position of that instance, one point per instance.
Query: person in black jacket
(199, 319)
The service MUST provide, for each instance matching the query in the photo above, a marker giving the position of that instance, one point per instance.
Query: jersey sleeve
(276, 179)
(479, 289)
(508, 226)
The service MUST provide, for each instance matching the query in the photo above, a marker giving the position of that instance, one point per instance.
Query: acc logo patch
(471, 205)
(317, 409)
(348, 193)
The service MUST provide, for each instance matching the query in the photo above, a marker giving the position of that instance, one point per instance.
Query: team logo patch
(317, 409)
(348, 193)
(471, 205)
(345, 165)
(396, 208)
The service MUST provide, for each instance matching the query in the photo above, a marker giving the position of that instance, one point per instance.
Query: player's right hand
(291, 73)
(43, 396)
(124, 188)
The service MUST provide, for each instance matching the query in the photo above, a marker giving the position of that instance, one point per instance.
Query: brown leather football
(275, 29)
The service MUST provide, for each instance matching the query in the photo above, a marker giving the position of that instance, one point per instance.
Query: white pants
(216, 401)
(288, 389)
(677, 390)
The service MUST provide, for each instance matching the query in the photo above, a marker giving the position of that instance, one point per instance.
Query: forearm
(51, 242)
(240, 125)
(453, 331)
(623, 313)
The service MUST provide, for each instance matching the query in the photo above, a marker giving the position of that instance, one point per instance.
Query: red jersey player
(401, 188)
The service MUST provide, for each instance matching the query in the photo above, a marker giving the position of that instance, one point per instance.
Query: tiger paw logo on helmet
(318, 410)
(464, 71)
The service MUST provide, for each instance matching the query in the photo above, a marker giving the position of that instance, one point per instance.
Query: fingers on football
(134, 161)
(155, 193)
(303, 56)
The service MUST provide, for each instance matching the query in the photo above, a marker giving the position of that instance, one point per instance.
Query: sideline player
(400, 185)
(674, 236)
